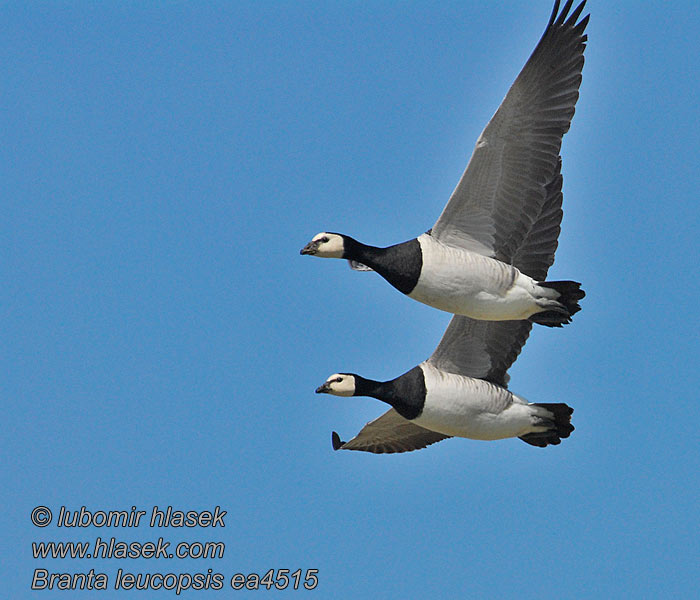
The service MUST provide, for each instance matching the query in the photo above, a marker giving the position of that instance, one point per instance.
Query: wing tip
(336, 441)
(559, 19)
(553, 16)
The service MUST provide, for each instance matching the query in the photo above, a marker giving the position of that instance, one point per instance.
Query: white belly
(466, 283)
(471, 408)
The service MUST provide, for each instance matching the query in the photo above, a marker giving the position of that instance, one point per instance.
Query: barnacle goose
(461, 390)
(465, 264)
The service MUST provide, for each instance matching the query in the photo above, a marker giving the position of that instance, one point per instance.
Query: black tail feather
(570, 293)
(551, 318)
(560, 426)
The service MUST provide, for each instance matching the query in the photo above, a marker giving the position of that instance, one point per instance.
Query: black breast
(408, 393)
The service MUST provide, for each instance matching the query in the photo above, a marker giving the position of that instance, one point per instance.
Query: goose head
(325, 245)
(338, 384)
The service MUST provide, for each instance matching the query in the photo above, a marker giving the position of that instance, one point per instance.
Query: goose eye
(324, 239)
(338, 379)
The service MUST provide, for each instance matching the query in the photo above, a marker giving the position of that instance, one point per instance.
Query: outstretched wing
(389, 433)
(502, 192)
(487, 349)
(480, 349)
(536, 254)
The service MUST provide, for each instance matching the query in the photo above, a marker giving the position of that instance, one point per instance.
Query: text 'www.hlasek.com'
(105, 546)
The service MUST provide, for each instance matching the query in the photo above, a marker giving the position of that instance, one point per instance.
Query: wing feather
(536, 254)
(503, 190)
(388, 434)
(487, 349)
(480, 349)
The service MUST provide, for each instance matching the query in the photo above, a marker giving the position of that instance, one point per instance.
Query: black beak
(323, 389)
(310, 248)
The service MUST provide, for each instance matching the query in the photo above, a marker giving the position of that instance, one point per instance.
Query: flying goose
(461, 390)
(465, 263)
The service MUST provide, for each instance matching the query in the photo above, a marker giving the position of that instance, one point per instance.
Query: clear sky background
(162, 165)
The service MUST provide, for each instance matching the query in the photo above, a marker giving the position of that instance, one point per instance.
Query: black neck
(400, 264)
(367, 255)
(381, 390)
(406, 393)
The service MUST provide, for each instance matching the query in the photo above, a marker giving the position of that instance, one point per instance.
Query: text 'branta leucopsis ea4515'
(471, 261)
(461, 390)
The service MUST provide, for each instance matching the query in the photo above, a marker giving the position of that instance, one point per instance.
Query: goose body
(461, 406)
(430, 403)
(467, 283)
(466, 263)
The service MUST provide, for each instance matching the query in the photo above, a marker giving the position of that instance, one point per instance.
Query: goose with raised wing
(465, 264)
(462, 389)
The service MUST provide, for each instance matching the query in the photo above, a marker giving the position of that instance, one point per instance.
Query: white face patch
(330, 245)
(341, 385)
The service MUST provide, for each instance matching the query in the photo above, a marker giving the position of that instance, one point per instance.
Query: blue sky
(162, 165)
